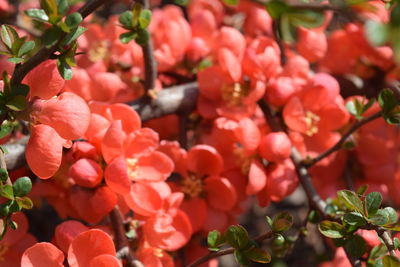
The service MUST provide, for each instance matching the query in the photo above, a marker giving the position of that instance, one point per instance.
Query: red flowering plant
(152, 135)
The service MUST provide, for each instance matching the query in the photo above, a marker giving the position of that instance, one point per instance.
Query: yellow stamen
(192, 186)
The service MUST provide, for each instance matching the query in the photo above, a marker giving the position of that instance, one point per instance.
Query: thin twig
(120, 239)
(338, 145)
(387, 239)
(3, 165)
(226, 251)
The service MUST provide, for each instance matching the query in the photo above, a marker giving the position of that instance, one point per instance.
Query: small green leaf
(22, 186)
(64, 69)
(3, 175)
(26, 48)
(24, 203)
(306, 18)
(269, 221)
(351, 108)
(351, 200)
(387, 101)
(7, 35)
(372, 203)
(17, 103)
(4, 210)
(237, 237)
(231, 2)
(13, 225)
(49, 6)
(392, 214)
(5, 129)
(14, 207)
(144, 18)
(62, 6)
(354, 219)
(396, 243)
(7, 191)
(362, 189)
(126, 19)
(73, 35)
(37, 14)
(288, 32)
(378, 251)
(355, 245)
(282, 222)
(257, 255)
(127, 37)
(390, 261)
(15, 60)
(214, 240)
(241, 258)
(181, 2)
(376, 32)
(131, 234)
(51, 36)
(381, 217)
(73, 20)
(279, 240)
(276, 8)
(142, 37)
(331, 229)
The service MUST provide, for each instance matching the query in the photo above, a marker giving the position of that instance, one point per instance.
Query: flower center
(243, 160)
(192, 185)
(233, 94)
(132, 168)
(311, 120)
(98, 51)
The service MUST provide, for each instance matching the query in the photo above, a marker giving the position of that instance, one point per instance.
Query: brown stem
(226, 251)
(44, 53)
(3, 165)
(339, 144)
(150, 65)
(387, 239)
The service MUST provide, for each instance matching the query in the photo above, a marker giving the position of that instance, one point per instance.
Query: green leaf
(362, 189)
(14, 207)
(269, 221)
(144, 18)
(351, 200)
(73, 35)
(231, 2)
(15, 60)
(241, 258)
(13, 225)
(378, 251)
(390, 261)
(287, 31)
(4, 210)
(351, 108)
(8, 35)
(181, 2)
(354, 219)
(62, 6)
(372, 203)
(282, 222)
(51, 36)
(215, 240)
(381, 217)
(5, 129)
(355, 245)
(126, 19)
(276, 8)
(331, 229)
(49, 6)
(22, 186)
(24, 203)
(237, 237)
(279, 240)
(387, 101)
(17, 103)
(142, 37)
(306, 18)
(38, 14)
(3, 175)
(376, 32)
(127, 37)
(7, 191)
(20, 89)
(26, 48)
(73, 20)
(64, 69)
(392, 214)
(257, 255)
(396, 243)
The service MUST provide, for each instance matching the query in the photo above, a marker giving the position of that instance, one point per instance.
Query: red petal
(42, 255)
(196, 209)
(221, 194)
(257, 178)
(154, 167)
(66, 232)
(105, 261)
(113, 140)
(89, 245)
(143, 199)
(116, 176)
(44, 151)
(204, 160)
(127, 115)
(141, 142)
(86, 172)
